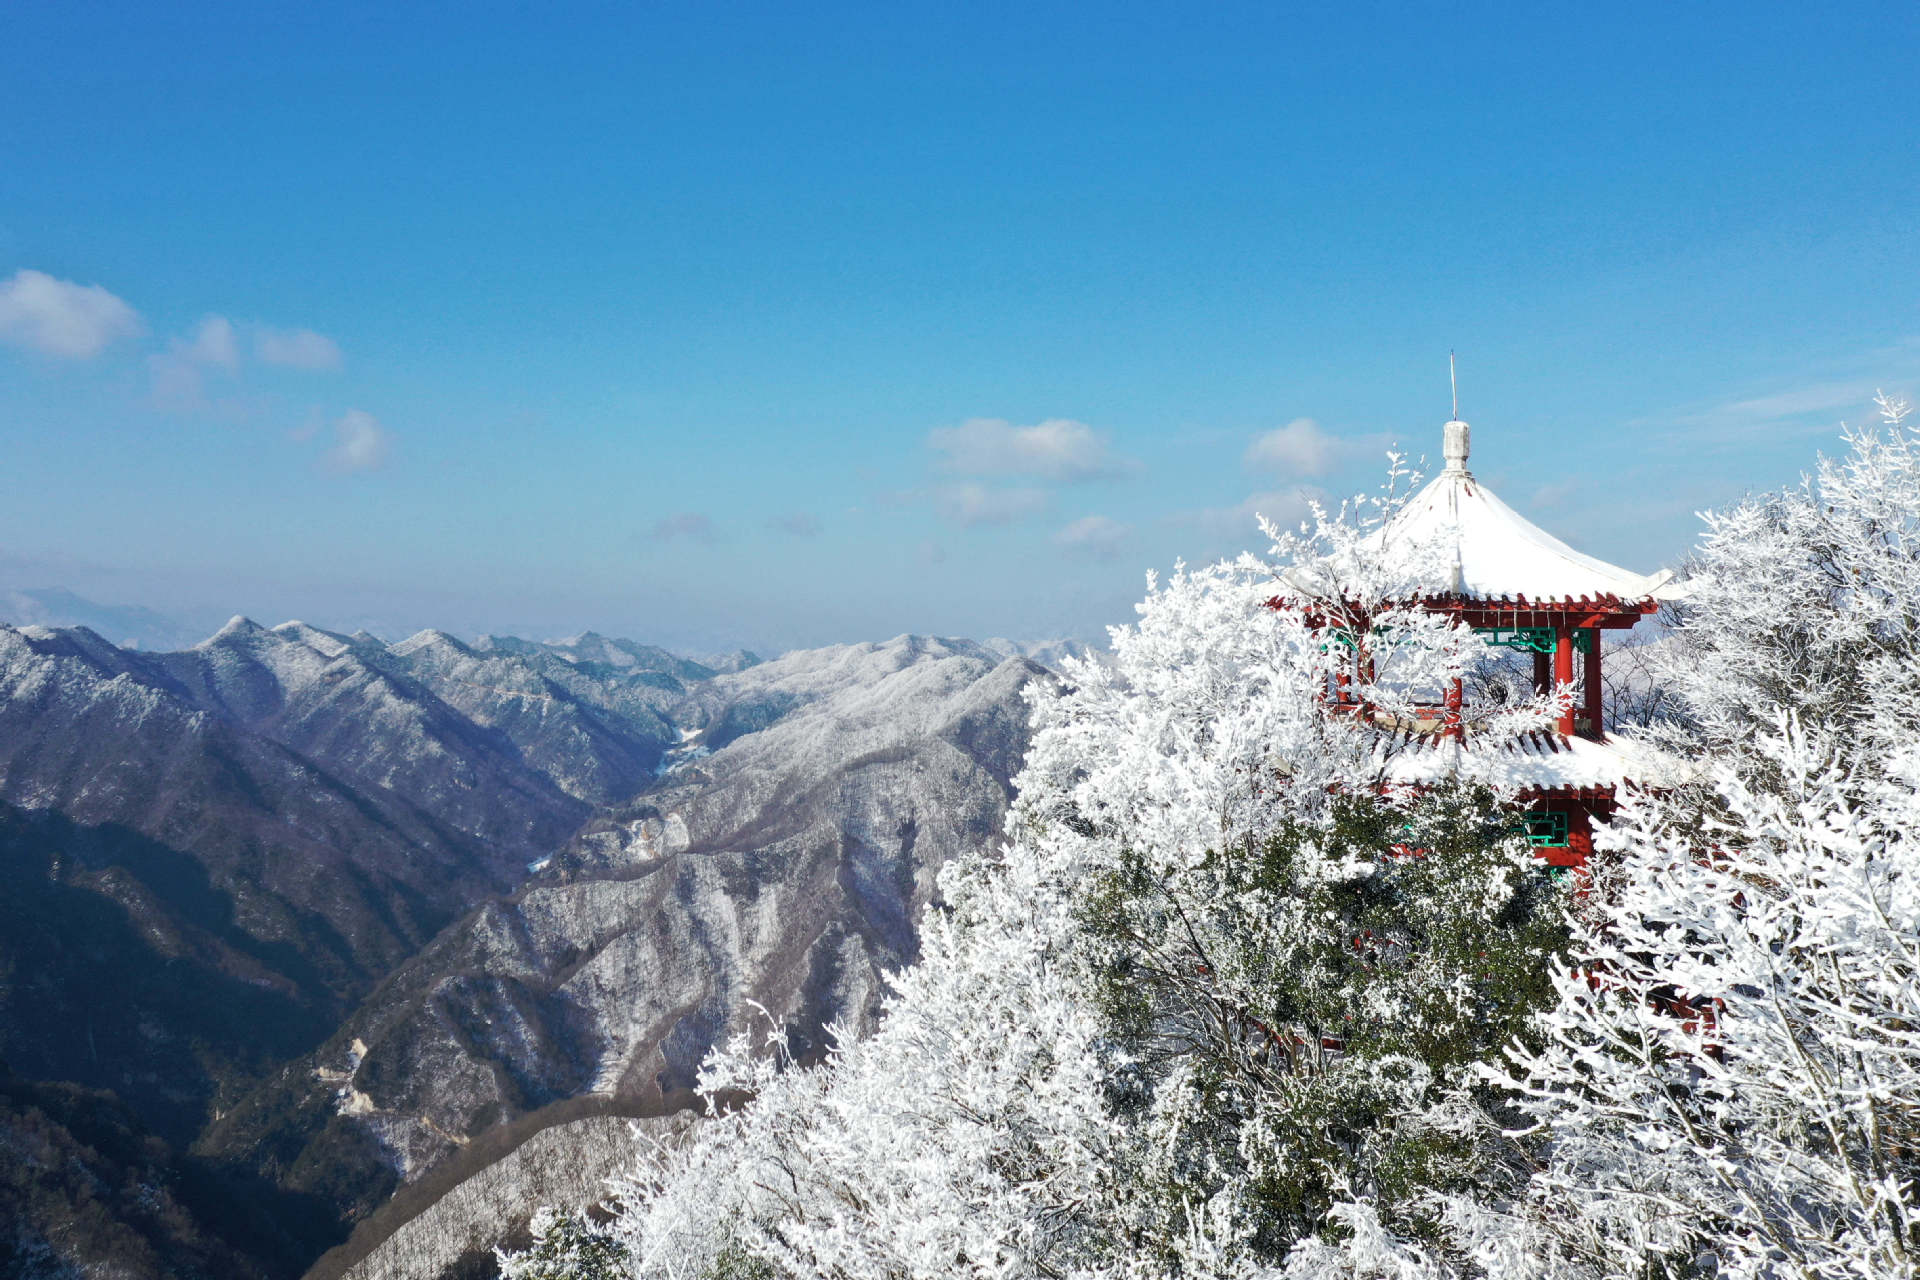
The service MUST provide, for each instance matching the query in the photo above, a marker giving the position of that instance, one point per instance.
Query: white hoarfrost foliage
(1223, 1005)
(961, 1139)
(1003, 1122)
(1808, 601)
(565, 1248)
(1730, 1080)
(1734, 1067)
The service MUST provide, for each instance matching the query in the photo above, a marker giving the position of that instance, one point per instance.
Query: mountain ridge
(347, 904)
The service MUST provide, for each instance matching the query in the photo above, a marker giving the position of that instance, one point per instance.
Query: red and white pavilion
(1522, 588)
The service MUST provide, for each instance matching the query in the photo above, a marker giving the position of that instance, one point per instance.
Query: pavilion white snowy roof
(1489, 551)
(1541, 760)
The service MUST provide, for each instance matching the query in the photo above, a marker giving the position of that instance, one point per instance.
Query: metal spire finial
(1455, 436)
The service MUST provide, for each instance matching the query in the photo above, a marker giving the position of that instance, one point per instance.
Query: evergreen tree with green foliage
(566, 1247)
(1299, 1016)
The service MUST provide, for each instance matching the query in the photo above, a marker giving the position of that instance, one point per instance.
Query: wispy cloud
(176, 374)
(1282, 506)
(296, 349)
(316, 422)
(1842, 390)
(969, 505)
(799, 524)
(212, 343)
(1059, 450)
(1096, 537)
(60, 318)
(175, 385)
(693, 525)
(1300, 448)
(360, 443)
(1816, 407)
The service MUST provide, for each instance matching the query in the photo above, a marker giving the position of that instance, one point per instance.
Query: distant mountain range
(129, 626)
(315, 912)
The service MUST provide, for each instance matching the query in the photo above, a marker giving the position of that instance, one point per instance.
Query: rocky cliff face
(326, 908)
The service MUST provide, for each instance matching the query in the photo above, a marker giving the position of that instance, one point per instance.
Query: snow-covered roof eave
(1485, 550)
(1539, 761)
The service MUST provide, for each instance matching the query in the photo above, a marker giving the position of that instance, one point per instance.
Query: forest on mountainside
(1203, 1014)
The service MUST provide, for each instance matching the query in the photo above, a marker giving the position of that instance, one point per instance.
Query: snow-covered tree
(565, 1248)
(1733, 1069)
(1730, 1079)
(1808, 601)
(1215, 1003)
(1293, 1021)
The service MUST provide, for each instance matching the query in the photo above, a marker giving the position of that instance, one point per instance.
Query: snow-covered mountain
(783, 869)
(276, 891)
(1047, 653)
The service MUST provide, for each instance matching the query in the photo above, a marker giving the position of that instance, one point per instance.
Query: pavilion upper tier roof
(1482, 549)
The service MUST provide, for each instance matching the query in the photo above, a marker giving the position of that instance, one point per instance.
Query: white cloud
(1300, 448)
(684, 524)
(1788, 404)
(360, 443)
(213, 343)
(1096, 536)
(296, 349)
(1813, 402)
(1813, 409)
(1058, 449)
(61, 318)
(967, 505)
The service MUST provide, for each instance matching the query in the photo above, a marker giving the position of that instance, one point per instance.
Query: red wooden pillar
(1595, 729)
(1579, 835)
(1563, 671)
(1454, 701)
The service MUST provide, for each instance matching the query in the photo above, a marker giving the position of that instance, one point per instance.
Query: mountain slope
(348, 707)
(785, 869)
(85, 1190)
(158, 852)
(272, 894)
(597, 728)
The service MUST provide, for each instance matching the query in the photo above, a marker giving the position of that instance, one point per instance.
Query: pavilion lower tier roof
(1538, 763)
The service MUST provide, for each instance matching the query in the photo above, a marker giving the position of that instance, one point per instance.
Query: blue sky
(787, 325)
